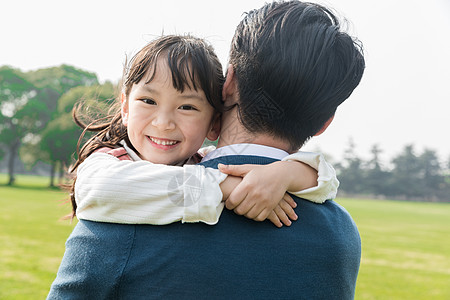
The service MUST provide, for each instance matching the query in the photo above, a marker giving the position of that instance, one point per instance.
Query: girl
(139, 166)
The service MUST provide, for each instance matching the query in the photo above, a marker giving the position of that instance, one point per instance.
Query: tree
(59, 139)
(432, 174)
(21, 112)
(377, 179)
(407, 178)
(27, 102)
(351, 173)
(61, 78)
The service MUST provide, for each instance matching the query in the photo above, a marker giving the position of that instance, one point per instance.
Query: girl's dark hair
(194, 65)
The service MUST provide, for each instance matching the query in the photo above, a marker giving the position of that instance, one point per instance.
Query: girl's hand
(284, 212)
(262, 192)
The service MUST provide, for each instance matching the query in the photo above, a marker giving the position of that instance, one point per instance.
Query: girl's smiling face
(164, 125)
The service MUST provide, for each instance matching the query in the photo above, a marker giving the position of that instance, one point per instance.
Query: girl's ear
(214, 131)
(124, 108)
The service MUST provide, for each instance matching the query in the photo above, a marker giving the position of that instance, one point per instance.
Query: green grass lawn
(405, 245)
(32, 237)
(405, 249)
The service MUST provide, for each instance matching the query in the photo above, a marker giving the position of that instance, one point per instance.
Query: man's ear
(124, 109)
(214, 131)
(325, 126)
(229, 87)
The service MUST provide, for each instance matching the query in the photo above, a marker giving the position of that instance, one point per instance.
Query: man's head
(292, 66)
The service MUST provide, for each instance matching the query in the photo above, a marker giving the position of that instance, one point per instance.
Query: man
(290, 67)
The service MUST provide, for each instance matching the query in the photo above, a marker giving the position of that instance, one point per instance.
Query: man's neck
(233, 132)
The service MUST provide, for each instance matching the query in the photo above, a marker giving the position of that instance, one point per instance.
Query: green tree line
(408, 175)
(36, 126)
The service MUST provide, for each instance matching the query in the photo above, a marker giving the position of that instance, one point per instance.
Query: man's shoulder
(331, 209)
(330, 215)
(330, 226)
(323, 228)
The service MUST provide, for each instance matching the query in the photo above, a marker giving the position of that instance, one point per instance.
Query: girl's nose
(163, 121)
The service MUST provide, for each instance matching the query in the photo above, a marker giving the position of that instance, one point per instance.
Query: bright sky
(404, 96)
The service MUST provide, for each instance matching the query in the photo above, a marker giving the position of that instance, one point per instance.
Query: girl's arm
(326, 186)
(138, 192)
(306, 175)
(109, 190)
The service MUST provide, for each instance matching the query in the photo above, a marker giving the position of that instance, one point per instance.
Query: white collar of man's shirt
(130, 151)
(246, 149)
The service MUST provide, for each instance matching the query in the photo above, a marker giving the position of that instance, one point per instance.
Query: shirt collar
(130, 152)
(246, 149)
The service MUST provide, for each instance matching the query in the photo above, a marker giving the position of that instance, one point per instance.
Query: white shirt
(140, 192)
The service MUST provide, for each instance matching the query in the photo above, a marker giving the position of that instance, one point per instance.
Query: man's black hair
(294, 66)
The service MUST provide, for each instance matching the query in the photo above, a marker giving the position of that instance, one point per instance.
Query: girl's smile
(164, 144)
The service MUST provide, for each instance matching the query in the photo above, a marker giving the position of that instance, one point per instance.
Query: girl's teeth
(164, 143)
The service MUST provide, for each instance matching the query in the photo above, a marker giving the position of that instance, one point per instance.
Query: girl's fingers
(243, 208)
(288, 209)
(253, 213)
(236, 197)
(274, 219)
(260, 215)
(282, 216)
(236, 170)
(290, 200)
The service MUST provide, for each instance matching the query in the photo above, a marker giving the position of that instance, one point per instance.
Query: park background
(388, 141)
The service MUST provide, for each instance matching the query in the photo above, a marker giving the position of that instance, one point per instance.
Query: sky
(404, 96)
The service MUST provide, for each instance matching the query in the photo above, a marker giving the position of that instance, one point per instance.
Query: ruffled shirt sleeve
(327, 182)
(139, 192)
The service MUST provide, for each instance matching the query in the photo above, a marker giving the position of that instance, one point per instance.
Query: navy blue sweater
(316, 258)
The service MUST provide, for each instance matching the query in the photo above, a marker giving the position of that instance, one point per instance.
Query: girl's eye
(148, 101)
(187, 107)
